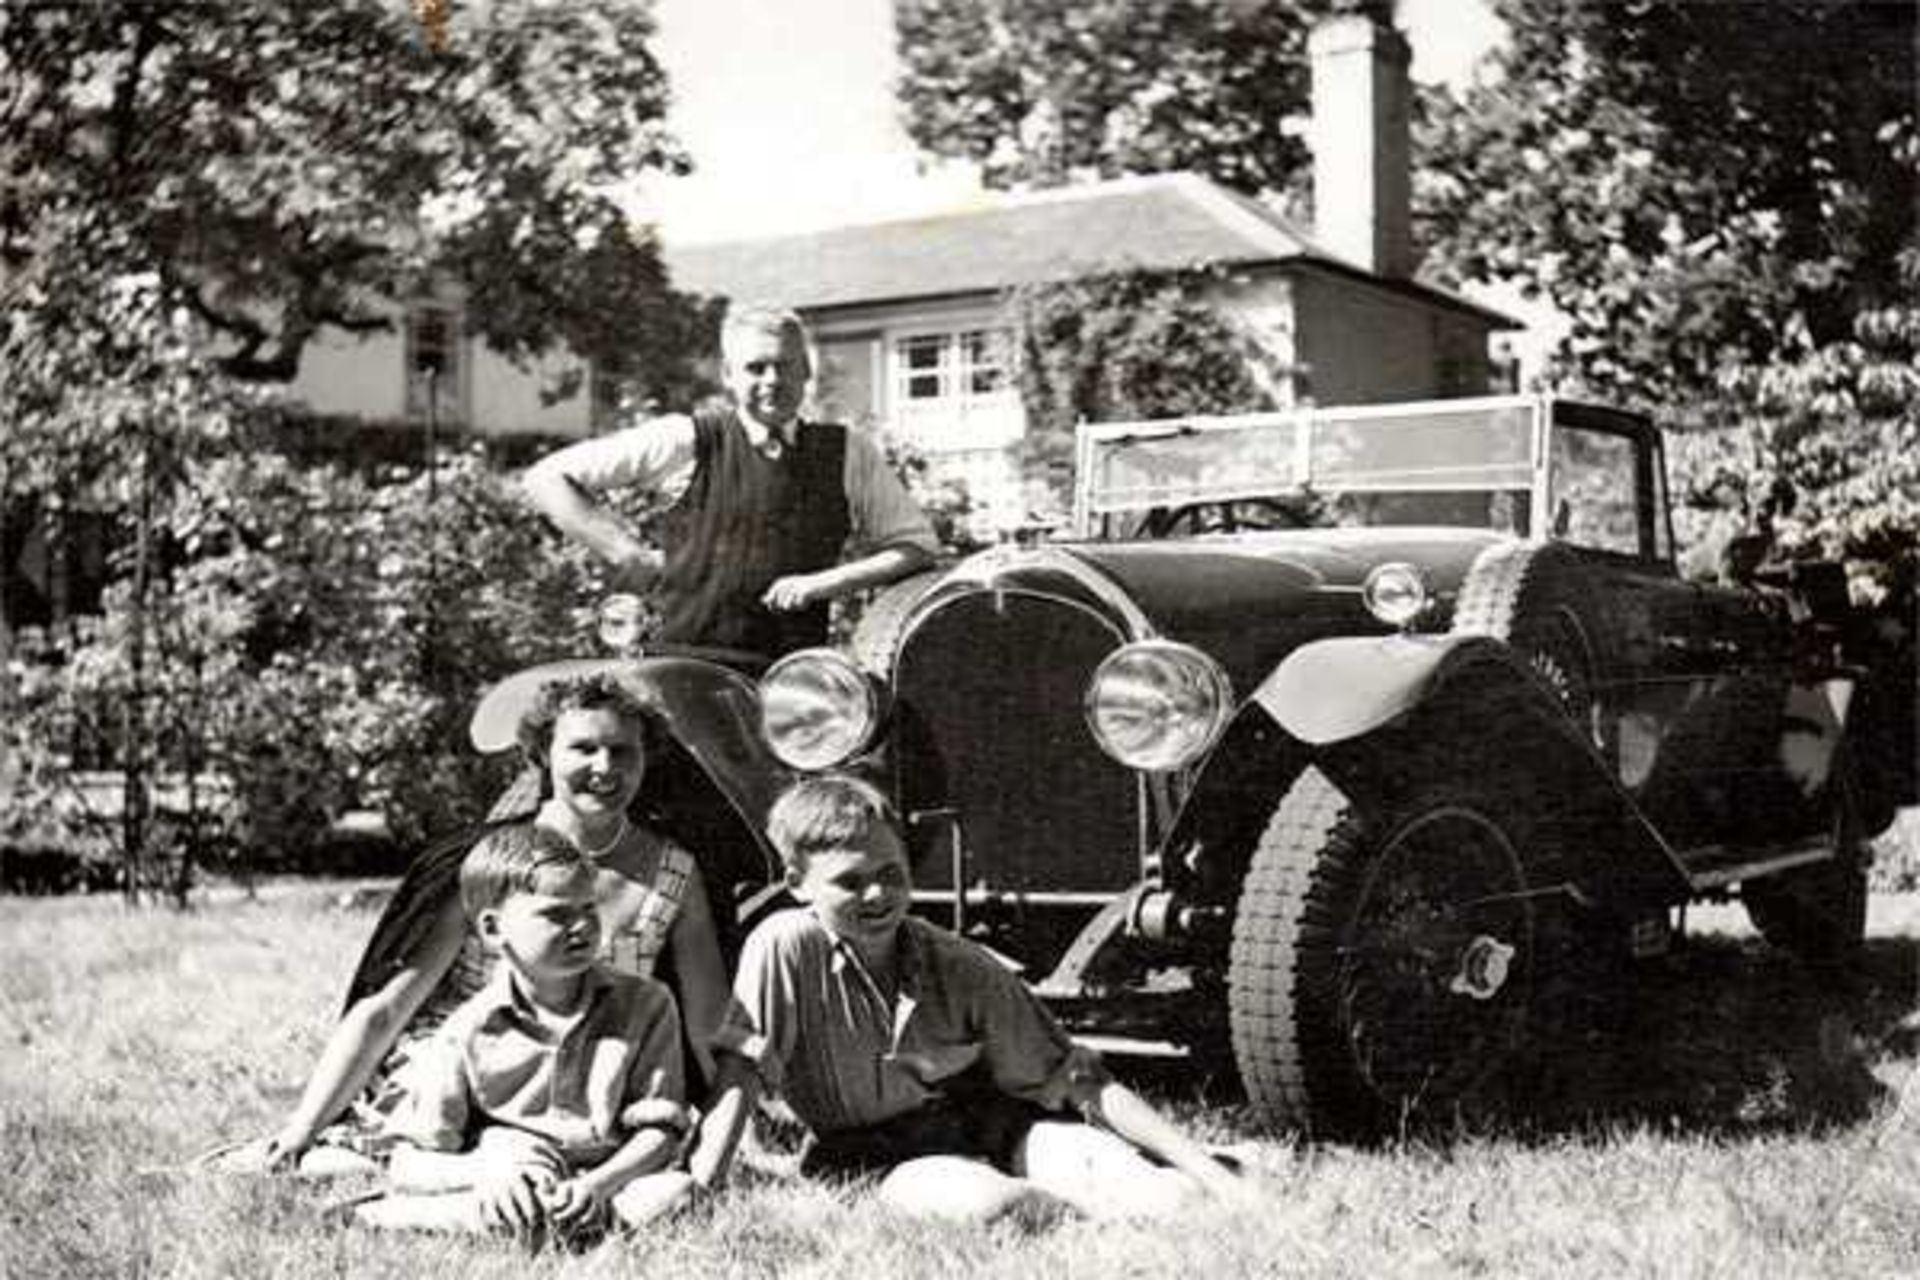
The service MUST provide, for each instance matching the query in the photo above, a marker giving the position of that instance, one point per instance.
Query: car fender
(1329, 691)
(1382, 715)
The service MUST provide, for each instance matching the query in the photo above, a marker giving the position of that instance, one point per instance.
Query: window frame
(958, 364)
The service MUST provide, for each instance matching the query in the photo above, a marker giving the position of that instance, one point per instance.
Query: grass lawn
(1734, 1118)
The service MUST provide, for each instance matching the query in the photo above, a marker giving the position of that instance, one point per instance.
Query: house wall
(966, 433)
(1365, 345)
(1262, 306)
(1333, 341)
(506, 397)
(366, 376)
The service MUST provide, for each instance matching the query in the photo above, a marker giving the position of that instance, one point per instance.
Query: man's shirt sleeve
(1029, 1053)
(657, 453)
(759, 1025)
(654, 1027)
(884, 514)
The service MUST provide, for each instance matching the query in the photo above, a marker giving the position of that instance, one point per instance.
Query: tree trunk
(135, 785)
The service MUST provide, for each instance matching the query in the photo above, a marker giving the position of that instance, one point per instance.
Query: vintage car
(1329, 734)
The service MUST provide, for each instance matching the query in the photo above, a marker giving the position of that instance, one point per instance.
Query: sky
(788, 110)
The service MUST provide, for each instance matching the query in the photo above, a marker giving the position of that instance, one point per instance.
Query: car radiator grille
(990, 696)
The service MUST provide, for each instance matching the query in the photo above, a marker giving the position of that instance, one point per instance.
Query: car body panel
(1338, 689)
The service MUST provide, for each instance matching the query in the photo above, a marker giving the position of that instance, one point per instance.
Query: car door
(1689, 676)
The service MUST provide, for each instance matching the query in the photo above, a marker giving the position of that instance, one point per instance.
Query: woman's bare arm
(365, 1034)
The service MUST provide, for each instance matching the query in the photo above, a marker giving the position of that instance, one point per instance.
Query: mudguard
(432, 881)
(1377, 714)
(1332, 690)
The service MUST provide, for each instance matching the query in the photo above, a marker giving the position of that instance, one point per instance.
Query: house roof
(1157, 222)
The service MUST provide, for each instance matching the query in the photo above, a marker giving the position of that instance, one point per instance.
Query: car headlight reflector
(1158, 704)
(1395, 593)
(817, 709)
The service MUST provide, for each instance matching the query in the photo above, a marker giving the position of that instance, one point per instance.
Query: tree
(288, 167)
(1041, 91)
(190, 193)
(1124, 347)
(1721, 199)
(319, 646)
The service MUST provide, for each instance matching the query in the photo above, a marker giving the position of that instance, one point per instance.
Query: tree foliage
(286, 167)
(1039, 92)
(319, 648)
(189, 194)
(1129, 346)
(1721, 199)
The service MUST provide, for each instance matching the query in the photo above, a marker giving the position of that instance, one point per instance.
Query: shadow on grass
(1722, 1037)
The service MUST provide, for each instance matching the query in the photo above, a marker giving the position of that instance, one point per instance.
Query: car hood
(1196, 575)
(1245, 599)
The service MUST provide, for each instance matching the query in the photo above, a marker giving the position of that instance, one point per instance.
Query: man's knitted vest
(744, 521)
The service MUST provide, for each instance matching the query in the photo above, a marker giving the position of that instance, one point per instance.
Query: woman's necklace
(619, 833)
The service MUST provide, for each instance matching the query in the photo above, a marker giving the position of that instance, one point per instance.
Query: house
(907, 314)
(430, 367)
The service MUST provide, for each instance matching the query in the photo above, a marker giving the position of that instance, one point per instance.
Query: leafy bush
(1128, 346)
(318, 647)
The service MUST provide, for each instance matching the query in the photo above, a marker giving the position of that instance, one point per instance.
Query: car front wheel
(1382, 964)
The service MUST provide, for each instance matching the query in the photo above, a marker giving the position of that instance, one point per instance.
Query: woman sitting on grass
(589, 739)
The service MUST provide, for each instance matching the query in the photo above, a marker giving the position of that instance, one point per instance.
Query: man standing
(760, 504)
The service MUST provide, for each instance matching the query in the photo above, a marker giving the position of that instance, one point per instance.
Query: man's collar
(771, 441)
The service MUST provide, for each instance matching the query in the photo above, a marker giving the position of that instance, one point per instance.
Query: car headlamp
(621, 622)
(1158, 704)
(1395, 593)
(817, 709)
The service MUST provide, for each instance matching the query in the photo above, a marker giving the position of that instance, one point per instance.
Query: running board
(1717, 866)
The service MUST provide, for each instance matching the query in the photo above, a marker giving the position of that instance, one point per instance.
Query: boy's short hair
(513, 859)
(598, 691)
(826, 811)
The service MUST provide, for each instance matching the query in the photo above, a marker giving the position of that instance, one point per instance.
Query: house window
(436, 380)
(953, 391)
(950, 368)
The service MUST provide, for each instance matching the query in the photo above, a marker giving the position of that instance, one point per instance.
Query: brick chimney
(1361, 177)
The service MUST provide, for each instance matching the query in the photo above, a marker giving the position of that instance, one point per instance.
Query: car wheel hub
(1484, 966)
